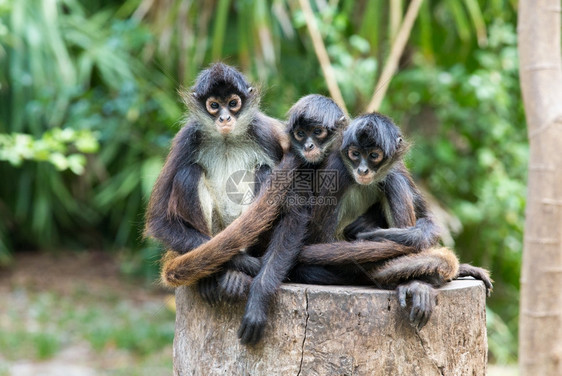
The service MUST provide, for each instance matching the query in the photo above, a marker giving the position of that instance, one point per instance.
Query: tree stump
(332, 330)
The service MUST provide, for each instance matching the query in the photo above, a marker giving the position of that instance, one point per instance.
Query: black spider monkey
(374, 182)
(224, 133)
(315, 122)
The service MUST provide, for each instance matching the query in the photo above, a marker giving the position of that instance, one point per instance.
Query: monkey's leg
(467, 270)
(280, 257)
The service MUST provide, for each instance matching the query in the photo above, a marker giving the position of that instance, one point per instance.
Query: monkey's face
(363, 163)
(311, 142)
(224, 110)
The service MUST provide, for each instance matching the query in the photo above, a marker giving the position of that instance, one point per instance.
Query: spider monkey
(225, 133)
(315, 122)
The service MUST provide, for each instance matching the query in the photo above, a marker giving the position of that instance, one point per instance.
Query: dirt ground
(89, 280)
(60, 272)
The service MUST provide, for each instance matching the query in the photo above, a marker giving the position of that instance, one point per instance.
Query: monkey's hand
(373, 234)
(209, 289)
(252, 326)
(410, 236)
(421, 297)
(467, 270)
(234, 285)
(356, 228)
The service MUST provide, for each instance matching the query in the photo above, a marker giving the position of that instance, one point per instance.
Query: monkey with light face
(224, 133)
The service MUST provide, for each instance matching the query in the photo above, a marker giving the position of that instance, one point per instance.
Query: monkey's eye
(353, 154)
(376, 155)
(320, 132)
(299, 135)
(214, 105)
(233, 103)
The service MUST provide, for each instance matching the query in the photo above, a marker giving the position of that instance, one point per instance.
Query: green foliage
(38, 325)
(74, 85)
(53, 147)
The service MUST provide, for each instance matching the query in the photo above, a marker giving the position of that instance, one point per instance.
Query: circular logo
(241, 186)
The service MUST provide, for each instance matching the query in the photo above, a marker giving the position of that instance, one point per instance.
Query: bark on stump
(329, 330)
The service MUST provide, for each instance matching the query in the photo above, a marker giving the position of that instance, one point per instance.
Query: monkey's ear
(194, 94)
(341, 121)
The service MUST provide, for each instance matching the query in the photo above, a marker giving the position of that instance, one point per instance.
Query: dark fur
(175, 215)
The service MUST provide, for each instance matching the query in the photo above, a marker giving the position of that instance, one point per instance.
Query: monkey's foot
(209, 289)
(481, 274)
(252, 328)
(234, 285)
(421, 297)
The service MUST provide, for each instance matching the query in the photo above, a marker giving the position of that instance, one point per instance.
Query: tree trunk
(330, 330)
(540, 333)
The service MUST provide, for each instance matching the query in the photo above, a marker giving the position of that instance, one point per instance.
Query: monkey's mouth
(225, 129)
(313, 156)
(364, 179)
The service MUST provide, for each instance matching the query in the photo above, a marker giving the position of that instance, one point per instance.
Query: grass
(108, 330)
(41, 323)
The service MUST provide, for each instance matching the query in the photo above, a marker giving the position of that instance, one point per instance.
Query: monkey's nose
(309, 147)
(222, 119)
(362, 171)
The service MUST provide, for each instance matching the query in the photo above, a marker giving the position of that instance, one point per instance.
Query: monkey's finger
(203, 291)
(426, 311)
(258, 333)
(415, 313)
(242, 332)
(402, 296)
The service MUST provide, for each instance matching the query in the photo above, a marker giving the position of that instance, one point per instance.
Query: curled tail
(435, 265)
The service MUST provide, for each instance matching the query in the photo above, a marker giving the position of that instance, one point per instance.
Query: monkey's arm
(324, 221)
(174, 215)
(241, 233)
(280, 257)
(175, 221)
(403, 205)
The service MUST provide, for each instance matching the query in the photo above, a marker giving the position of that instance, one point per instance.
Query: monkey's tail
(352, 252)
(439, 263)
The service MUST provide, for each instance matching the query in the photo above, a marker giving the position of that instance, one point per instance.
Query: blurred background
(89, 105)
